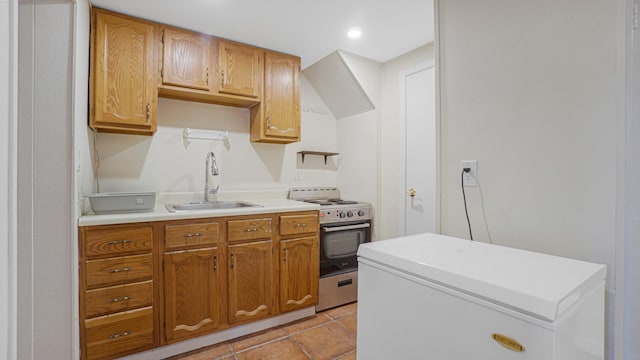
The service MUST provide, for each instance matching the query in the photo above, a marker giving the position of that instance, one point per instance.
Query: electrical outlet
(469, 178)
(298, 175)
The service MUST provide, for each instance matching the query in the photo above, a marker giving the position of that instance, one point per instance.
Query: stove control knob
(342, 214)
(350, 214)
(360, 212)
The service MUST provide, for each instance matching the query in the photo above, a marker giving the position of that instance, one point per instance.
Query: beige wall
(529, 90)
(357, 136)
(166, 163)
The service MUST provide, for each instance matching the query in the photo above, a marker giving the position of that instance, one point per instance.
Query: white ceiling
(309, 29)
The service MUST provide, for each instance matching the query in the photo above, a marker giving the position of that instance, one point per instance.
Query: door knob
(411, 192)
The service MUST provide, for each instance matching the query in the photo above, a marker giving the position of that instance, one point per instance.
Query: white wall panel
(45, 182)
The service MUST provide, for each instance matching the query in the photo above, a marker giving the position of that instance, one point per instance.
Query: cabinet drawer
(298, 224)
(249, 229)
(108, 336)
(118, 270)
(117, 241)
(118, 298)
(191, 234)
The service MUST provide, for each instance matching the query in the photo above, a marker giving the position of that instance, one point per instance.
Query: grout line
(260, 344)
(344, 355)
(300, 347)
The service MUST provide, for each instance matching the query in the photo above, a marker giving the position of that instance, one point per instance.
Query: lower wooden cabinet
(192, 293)
(299, 273)
(109, 336)
(251, 280)
(150, 284)
(118, 308)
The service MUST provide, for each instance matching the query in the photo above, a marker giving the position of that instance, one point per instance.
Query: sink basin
(218, 205)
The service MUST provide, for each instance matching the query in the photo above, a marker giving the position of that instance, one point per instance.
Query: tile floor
(329, 335)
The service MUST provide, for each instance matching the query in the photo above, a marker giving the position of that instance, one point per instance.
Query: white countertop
(268, 201)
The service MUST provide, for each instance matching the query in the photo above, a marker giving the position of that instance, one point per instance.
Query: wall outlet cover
(469, 178)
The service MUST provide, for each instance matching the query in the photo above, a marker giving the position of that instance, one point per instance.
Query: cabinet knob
(188, 235)
(148, 111)
(114, 242)
(124, 298)
(411, 192)
(115, 336)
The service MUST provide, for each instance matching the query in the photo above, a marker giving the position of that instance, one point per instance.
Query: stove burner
(319, 202)
(323, 202)
(342, 202)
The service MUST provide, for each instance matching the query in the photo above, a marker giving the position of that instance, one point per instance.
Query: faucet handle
(214, 191)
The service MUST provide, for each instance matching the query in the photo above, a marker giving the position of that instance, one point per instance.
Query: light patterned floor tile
(326, 342)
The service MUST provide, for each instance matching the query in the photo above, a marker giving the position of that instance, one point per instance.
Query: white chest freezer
(435, 297)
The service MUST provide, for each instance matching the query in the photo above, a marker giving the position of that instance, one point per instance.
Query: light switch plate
(469, 178)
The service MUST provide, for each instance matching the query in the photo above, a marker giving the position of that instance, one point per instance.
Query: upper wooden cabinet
(239, 69)
(123, 91)
(133, 61)
(185, 59)
(277, 118)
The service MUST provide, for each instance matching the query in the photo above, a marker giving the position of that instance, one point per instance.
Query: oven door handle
(346, 227)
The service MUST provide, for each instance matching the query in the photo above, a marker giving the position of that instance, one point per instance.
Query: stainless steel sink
(218, 205)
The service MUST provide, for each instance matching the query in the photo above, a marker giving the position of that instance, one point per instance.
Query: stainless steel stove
(333, 208)
(344, 225)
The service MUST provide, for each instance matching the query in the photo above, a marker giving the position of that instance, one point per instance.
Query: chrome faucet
(210, 167)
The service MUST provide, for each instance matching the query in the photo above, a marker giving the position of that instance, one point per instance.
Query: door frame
(8, 179)
(402, 128)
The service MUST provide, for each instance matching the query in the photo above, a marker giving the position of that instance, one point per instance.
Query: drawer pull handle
(251, 230)
(113, 271)
(124, 298)
(301, 225)
(114, 242)
(115, 336)
(507, 342)
(188, 235)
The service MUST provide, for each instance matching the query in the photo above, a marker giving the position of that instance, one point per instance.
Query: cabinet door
(299, 273)
(185, 60)
(124, 75)
(282, 97)
(239, 69)
(250, 281)
(191, 293)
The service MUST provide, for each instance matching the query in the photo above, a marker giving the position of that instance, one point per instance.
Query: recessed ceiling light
(354, 32)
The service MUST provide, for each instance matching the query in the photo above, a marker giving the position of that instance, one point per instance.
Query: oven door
(339, 246)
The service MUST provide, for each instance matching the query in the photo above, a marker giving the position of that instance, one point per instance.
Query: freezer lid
(540, 285)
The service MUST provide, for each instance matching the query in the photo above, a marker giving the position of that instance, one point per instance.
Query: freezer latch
(507, 342)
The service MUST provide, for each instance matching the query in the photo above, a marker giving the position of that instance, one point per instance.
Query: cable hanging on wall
(464, 197)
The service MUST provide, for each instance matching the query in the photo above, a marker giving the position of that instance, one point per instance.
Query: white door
(420, 152)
